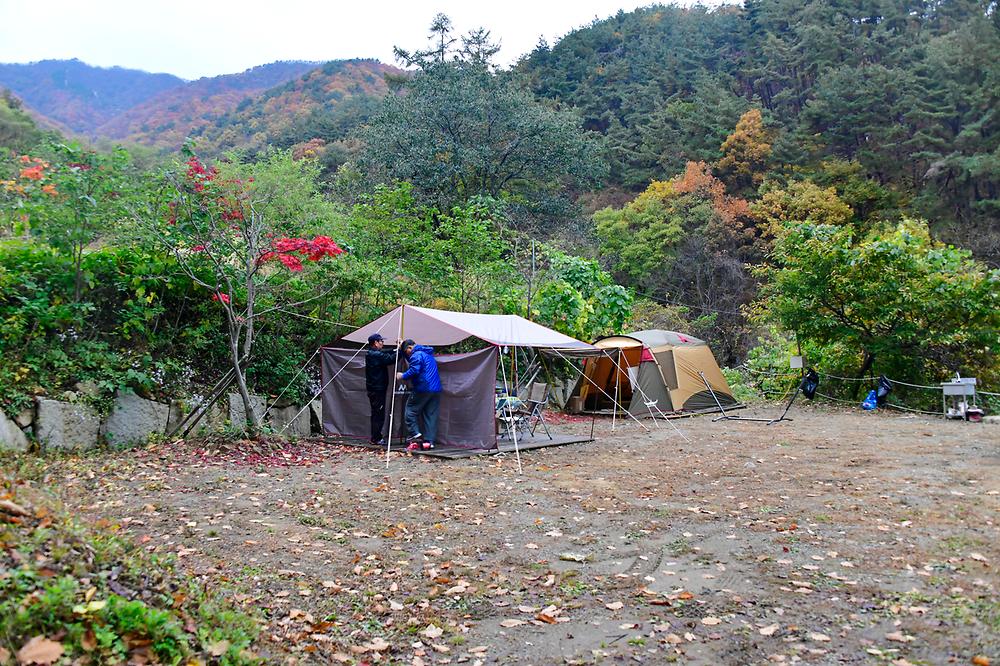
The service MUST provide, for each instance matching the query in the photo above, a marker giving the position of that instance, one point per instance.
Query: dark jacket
(423, 370)
(376, 377)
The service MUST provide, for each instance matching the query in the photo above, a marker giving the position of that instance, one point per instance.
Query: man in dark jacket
(426, 398)
(377, 382)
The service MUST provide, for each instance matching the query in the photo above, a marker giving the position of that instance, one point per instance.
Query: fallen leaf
(615, 605)
(899, 637)
(219, 648)
(4, 655)
(378, 644)
(432, 631)
(39, 650)
(527, 609)
(710, 621)
(674, 639)
(981, 660)
(769, 629)
(546, 618)
(978, 557)
(818, 637)
(512, 623)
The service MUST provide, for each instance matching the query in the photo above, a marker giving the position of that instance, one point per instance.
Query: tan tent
(653, 372)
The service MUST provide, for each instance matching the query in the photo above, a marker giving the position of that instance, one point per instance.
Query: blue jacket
(423, 370)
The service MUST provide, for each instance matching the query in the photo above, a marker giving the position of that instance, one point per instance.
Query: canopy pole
(618, 389)
(649, 407)
(510, 412)
(392, 396)
(603, 392)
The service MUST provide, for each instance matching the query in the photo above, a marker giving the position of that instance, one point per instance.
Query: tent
(653, 372)
(467, 413)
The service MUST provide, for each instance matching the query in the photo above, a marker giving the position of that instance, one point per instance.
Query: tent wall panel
(691, 393)
(467, 399)
(652, 387)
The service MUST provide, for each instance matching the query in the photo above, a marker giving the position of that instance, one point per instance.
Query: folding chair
(533, 410)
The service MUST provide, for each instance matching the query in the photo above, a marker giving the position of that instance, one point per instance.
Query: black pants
(377, 402)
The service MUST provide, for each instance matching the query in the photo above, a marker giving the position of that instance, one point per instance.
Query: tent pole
(392, 396)
(510, 413)
(602, 391)
(618, 388)
(648, 402)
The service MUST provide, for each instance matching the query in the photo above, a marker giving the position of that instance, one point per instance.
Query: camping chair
(533, 411)
(511, 415)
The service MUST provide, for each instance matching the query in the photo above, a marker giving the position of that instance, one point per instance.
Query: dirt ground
(838, 537)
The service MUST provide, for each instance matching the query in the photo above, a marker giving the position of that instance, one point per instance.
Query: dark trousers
(377, 402)
(423, 407)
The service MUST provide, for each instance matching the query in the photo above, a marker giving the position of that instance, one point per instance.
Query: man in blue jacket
(422, 407)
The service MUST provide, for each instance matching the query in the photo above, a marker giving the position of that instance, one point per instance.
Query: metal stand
(729, 417)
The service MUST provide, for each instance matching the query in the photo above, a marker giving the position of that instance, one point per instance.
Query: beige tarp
(442, 327)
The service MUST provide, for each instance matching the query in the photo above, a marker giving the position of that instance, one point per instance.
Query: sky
(192, 39)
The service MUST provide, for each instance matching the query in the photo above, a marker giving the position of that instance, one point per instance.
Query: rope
(271, 406)
(323, 387)
(582, 374)
(910, 409)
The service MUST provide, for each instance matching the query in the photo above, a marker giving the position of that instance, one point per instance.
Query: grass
(105, 599)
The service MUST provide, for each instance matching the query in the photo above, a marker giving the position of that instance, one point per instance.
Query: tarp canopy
(467, 398)
(442, 327)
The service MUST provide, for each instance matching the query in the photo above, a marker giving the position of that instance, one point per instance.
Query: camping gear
(468, 402)
(959, 390)
(810, 382)
(653, 372)
(870, 402)
(882, 390)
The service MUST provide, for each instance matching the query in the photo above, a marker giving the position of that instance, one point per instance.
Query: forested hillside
(905, 94)
(323, 105)
(775, 177)
(168, 118)
(81, 96)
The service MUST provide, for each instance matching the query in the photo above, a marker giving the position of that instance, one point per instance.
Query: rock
(134, 419)
(176, 412)
(316, 410)
(65, 425)
(11, 437)
(290, 421)
(87, 388)
(237, 412)
(25, 418)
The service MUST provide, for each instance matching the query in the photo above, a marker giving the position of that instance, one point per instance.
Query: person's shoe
(380, 442)
(414, 438)
(428, 445)
(413, 446)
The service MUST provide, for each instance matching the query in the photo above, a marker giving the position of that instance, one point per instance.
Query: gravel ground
(838, 537)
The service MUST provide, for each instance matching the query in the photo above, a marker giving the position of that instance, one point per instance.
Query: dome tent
(654, 366)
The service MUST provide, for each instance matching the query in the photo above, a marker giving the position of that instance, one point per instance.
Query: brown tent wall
(691, 394)
(466, 419)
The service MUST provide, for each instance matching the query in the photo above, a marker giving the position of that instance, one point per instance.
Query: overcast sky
(208, 37)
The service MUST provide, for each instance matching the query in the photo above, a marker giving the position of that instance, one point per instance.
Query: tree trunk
(865, 367)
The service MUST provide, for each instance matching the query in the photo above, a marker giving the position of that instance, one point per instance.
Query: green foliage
(18, 132)
(461, 130)
(580, 299)
(66, 584)
(913, 306)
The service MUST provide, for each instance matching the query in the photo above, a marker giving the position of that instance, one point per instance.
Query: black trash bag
(882, 390)
(810, 383)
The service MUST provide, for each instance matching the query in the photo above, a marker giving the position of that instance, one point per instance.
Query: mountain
(171, 116)
(322, 105)
(81, 96)
(894, 104)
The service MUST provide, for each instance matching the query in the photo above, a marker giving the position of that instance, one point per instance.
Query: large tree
(906, 304)
(458, 129)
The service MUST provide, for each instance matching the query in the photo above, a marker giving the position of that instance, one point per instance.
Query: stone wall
(59, 425)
